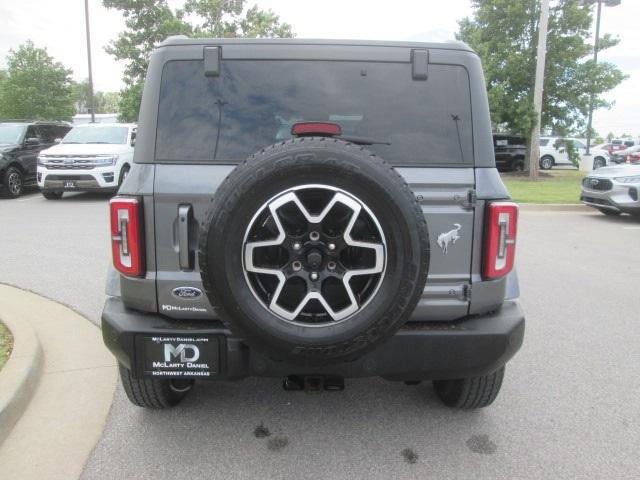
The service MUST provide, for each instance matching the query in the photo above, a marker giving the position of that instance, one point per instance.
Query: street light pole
(609, 3)
(595, 61)
(534, 148)
(86, 18)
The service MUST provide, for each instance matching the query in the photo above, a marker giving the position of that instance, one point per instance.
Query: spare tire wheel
(314, 251)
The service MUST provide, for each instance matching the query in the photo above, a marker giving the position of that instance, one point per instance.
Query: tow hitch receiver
(313, 383)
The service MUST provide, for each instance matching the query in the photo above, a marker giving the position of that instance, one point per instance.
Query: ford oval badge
(186, 292)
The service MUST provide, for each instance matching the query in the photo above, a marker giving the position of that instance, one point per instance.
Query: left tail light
(127, 242)
(501, 229)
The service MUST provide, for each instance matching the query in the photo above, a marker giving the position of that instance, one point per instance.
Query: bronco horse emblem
(449, 237)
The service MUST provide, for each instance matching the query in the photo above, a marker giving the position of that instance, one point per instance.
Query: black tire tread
(4, 187)
(51, 195)
(149, 393)
(470, 393)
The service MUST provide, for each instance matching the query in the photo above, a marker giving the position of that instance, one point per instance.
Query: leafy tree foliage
(35, 86)
(103, 102)
(149, 22)
(505, 35)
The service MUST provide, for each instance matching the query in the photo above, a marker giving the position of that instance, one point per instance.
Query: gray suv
(313, 211)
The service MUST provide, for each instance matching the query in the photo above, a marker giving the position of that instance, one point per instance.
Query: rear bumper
(419, 351)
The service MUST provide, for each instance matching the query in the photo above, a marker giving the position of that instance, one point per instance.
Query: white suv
(90, 157)
(553, 152)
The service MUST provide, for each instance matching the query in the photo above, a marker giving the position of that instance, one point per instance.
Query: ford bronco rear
(313, 210)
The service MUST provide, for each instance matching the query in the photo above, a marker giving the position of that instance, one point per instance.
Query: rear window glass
(252, 104)
(93, 134)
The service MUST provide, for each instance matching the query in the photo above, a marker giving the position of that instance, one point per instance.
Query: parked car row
(60, 158)
(510, 152)
(554, 151)
(629, 155)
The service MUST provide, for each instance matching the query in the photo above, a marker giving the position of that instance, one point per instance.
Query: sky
(59, 26)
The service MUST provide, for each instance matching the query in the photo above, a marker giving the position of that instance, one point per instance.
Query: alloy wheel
(314, 255)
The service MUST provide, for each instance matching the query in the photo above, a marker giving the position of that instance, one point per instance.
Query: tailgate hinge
(469, 200)
(466, 292)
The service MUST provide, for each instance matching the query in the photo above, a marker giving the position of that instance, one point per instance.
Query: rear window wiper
(362, 140)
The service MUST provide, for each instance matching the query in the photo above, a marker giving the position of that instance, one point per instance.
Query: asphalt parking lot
(568, 408)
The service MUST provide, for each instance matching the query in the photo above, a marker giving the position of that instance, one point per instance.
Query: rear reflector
(126, 236)
(316, 128)
(501, 226)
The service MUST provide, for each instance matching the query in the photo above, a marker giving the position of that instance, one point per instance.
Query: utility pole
(609, 3)
(86, 19)
(534, 148)
(595, 61)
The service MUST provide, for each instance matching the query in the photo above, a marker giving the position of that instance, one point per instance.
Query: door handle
(185, 255)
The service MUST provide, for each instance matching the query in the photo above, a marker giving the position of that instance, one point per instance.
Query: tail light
(126, 236)
(500, 239)
(316, 128)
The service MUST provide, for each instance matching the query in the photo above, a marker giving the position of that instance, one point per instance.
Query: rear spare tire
(314, 250)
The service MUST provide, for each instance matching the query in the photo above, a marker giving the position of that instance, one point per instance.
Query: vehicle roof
(180, 40)
(98, 124)
(35, 122)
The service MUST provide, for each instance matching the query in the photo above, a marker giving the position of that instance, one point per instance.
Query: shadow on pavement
(85, 197)
(623, 219)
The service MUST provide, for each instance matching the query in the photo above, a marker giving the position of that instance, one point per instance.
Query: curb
(20, 375)
(66, 378)
(554, 207)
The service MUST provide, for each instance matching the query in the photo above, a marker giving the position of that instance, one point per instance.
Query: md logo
(181, 350)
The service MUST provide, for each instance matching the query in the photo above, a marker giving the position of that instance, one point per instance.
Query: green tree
(505, 35)
(149, 22)
(110, 102)
(103, 102)
(35, 86)
(80, 93)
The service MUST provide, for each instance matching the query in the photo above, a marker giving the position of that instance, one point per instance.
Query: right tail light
(501, 228)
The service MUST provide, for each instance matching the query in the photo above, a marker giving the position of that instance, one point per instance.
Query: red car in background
(630, 155)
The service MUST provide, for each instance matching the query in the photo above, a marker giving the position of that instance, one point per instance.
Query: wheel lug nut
(331, 246)
(313, 276)
(296, 266)
(314, 236)
(331, 265)
(297, 246)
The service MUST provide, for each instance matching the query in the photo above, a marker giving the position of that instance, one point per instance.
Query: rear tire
(153, 393)
(51, 195)
(13, 183)
(610, 213)
(518, 166)
(123, 174)
(470, 393)
(546, 162)
(599, 162)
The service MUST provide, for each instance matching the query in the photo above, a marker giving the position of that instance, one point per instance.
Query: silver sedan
(613, 190)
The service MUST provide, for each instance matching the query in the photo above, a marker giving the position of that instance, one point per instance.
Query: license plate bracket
(180, 356)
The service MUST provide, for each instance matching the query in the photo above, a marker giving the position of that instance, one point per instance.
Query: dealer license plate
(181, 356)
